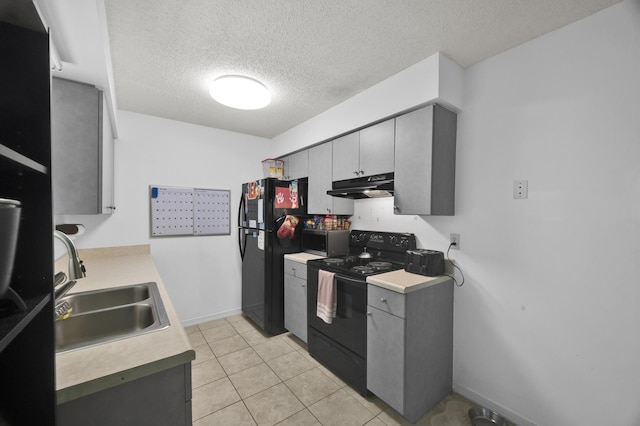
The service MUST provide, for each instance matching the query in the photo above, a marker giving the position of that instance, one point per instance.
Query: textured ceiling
(312, 55)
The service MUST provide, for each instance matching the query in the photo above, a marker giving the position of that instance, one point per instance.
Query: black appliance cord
(455, 266)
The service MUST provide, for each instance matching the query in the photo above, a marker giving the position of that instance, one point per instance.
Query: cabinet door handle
(383, 300)
(369, 314)
(355, 172)
(361, 172)
(304, 285)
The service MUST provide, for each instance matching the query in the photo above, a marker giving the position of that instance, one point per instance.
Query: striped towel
(326, 308)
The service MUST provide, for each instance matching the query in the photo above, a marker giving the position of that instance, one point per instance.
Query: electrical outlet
(455, 238)
(520, 189)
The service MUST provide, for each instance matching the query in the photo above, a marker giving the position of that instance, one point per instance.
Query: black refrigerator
(270, 221)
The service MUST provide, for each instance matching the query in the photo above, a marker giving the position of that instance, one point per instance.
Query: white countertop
(302, 257)
(87, 370)
(402, 281)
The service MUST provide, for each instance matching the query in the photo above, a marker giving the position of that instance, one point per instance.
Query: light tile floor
(243, 377)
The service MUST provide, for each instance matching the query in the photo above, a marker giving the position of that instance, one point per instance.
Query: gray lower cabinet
(295, 298)
(410, 347)
(320, 181)
(163, 398)
(81, 150)
(425, 162)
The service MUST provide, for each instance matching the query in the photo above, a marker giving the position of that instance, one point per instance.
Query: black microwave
(325, 243)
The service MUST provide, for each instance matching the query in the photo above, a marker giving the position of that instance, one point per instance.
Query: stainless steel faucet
(76, 271)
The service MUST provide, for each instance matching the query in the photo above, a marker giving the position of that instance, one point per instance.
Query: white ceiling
(311, 54)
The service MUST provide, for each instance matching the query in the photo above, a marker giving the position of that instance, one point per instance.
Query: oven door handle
(351, 280)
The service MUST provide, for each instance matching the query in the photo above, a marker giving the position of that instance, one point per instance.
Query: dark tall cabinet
(27, 355)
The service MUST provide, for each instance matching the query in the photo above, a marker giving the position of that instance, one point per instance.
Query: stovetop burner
(380, 266)
(334, 261)
(363, 269)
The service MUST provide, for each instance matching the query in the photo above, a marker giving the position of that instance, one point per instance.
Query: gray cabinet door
(76, 147)
(346, 154)
(413, 158)
(107, 164)
(377, 148)
(296, 165)
(295, 301)
(385, 357)
(425, 162)
(320, 179)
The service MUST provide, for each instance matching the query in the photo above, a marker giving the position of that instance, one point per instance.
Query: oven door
(349, 327)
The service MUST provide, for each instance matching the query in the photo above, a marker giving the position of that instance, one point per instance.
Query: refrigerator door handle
(242, 242)
(242, 237)
(240, 208)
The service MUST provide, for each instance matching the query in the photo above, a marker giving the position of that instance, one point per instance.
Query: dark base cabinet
(162, 398)
(27, 356)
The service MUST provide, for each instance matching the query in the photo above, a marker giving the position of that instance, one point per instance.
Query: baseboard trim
(200, 320)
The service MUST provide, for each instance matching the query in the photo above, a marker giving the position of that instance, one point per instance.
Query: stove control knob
(404, 243)
(393, 240)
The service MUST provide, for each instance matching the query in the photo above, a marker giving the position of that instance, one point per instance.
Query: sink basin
(109, 298)
(102, 316)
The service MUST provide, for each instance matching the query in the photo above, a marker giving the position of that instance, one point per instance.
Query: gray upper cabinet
(425, 162)
(320, 181)
(377, 148)
(82, 151)
(296, 165)
(367, 152)
(346, 155)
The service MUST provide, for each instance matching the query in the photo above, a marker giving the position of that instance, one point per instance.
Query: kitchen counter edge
(87, 370)
(302, 257)
(404, 282)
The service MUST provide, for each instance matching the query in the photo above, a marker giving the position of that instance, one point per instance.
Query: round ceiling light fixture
(240, 92)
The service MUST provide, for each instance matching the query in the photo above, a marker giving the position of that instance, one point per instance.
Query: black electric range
(342, 345)
(386, 251)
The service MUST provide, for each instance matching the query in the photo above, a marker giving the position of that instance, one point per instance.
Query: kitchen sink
(102, 316)
(109, 298)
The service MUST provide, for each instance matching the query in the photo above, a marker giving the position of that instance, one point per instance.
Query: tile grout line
(298, 349)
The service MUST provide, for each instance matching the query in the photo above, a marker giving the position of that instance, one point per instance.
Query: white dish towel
(326, 308)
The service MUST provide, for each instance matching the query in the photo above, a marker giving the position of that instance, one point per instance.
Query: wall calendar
(189, 211)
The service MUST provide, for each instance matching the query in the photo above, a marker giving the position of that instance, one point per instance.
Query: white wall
(547, 325)
(202, 274)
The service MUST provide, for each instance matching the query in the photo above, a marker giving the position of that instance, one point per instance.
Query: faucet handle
(82, 268)
(59, 278)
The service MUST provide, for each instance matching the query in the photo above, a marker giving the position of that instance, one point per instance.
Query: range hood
(375, 186)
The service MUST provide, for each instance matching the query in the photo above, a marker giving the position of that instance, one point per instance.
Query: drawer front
(296, 269)
(386, 300)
